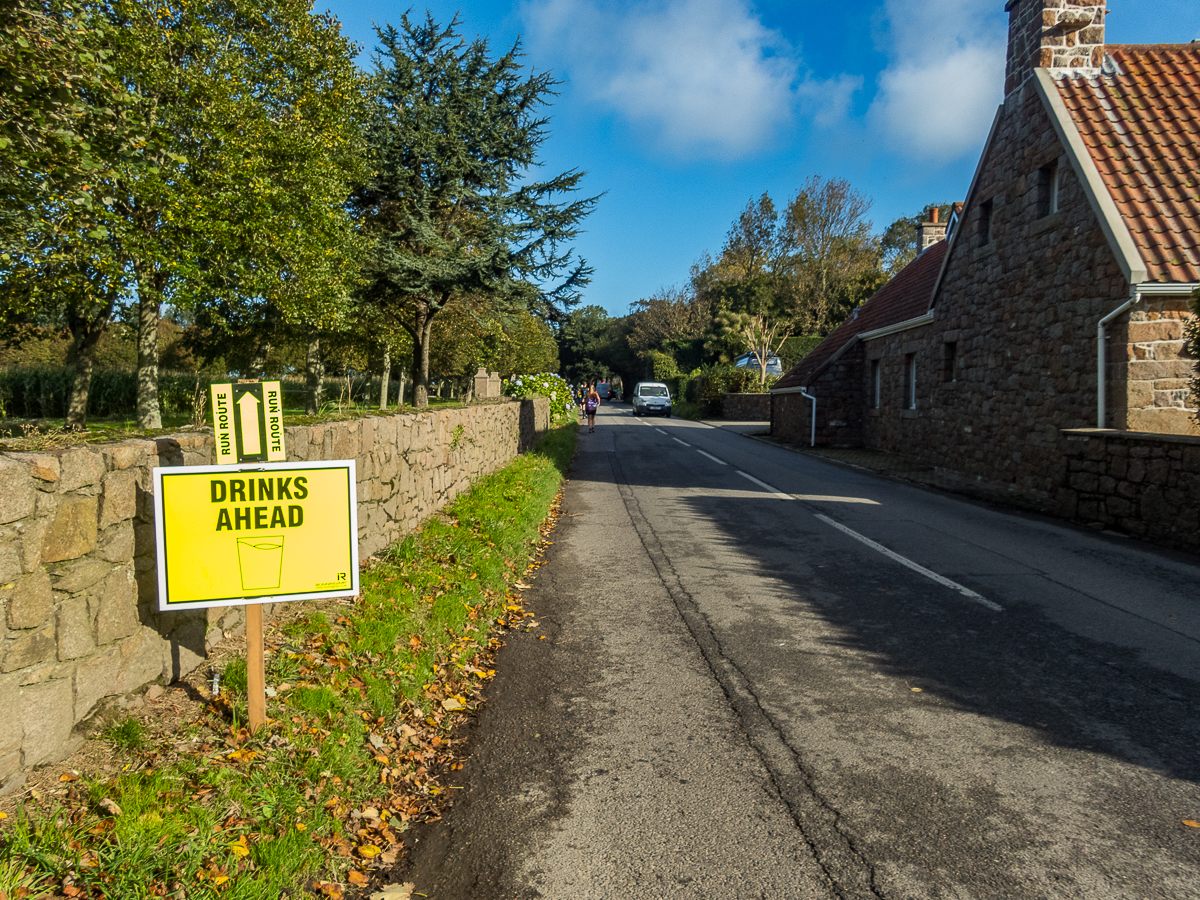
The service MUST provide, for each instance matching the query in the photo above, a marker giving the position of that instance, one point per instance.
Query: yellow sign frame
(222, 533)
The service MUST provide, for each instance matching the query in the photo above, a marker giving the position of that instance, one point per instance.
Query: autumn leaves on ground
(363, 730)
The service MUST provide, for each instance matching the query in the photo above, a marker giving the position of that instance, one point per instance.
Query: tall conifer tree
(451, 212)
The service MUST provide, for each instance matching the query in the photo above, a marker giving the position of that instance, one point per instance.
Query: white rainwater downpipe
(813, 438)
(1101, 335)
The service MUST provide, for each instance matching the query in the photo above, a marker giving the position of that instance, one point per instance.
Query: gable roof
(903, 298)
(1140, 124)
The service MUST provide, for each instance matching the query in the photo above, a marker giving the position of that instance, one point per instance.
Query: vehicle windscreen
(652, 391)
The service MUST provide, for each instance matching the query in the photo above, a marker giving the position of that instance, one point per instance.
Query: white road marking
(685, 443)
(719, 462)
(904, 561)
(825, 498)
(660, 431)
(762, 484)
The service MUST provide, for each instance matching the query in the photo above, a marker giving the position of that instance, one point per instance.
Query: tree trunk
(421, 362)
(314, 372)
(149, 299)
(258, 365)
(383, 378)
(400, 393)
(86, 332)
(83, 360)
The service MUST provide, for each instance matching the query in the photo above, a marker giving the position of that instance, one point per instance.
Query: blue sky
(680, 111)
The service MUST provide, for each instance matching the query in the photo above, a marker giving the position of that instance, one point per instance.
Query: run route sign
(266, 533)
(248, 422)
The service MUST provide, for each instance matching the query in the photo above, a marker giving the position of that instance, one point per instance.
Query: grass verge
(361, 735)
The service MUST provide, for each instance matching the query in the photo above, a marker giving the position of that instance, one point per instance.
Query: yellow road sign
(230, 535)
(248, 421)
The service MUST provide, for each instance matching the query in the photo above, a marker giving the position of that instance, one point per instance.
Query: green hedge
(42, 393)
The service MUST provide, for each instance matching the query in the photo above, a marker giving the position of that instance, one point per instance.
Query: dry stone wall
(79, 617)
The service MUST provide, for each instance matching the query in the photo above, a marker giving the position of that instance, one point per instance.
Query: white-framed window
(910, 381)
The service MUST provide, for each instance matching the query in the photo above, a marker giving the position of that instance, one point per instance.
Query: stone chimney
(929, 233)
(1053, 34)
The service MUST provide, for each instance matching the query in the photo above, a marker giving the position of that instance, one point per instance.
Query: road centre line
(685, 443)
(890, 554)
(719, 462)
(916, 567)
(762, 484)
(660, 431)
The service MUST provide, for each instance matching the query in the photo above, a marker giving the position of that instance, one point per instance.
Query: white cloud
(702, 77)
(944, 78)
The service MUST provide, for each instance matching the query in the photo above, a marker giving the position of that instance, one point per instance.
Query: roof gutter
(1174, 288)
(899, 326)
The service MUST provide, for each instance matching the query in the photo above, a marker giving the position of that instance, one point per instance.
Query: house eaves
(899, 326)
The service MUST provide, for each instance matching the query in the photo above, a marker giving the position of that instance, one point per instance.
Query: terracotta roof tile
(905, 297)
(1141, 127)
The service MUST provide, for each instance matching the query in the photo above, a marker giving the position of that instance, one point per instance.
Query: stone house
(1058, 298)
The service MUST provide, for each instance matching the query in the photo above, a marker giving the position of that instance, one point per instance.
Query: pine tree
(449, 208)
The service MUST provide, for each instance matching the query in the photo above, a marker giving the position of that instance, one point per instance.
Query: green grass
(127, 734)
(367, 722)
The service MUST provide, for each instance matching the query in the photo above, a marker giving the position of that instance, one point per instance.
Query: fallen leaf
(395, 892)
(356, 877)
(451, 704)
(368, 851)
(110, 807)
(1191, 823)
(69, 776)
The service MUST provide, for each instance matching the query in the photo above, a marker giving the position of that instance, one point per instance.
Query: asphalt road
(768, 677)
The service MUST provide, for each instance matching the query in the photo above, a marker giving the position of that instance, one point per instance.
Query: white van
(651, 398)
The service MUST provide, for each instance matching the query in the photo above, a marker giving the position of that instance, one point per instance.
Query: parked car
(651, 398)
(750, 361)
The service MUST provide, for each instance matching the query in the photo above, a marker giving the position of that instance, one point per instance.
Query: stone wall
(746, 407)
(79, 617)
(1151, 386)
(1143, 484)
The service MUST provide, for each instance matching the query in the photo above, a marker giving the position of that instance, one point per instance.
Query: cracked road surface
(767, 677)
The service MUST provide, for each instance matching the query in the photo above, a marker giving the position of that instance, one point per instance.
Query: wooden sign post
(254, 529)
